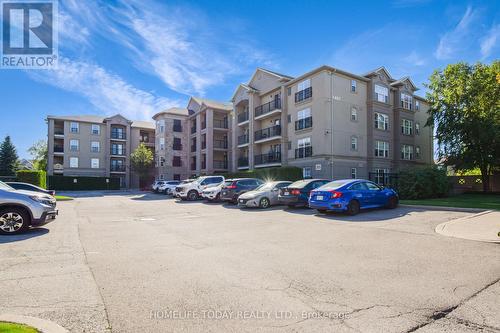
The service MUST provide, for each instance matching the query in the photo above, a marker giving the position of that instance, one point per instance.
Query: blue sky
(137, 57)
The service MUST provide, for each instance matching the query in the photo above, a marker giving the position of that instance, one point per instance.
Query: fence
(462, 184)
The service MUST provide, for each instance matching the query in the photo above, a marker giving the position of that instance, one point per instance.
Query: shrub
(35, 177)
(278, 173)
(67, 183)
(423, 183)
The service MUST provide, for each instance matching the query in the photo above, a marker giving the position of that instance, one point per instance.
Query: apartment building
(331, 123)
(96, 146)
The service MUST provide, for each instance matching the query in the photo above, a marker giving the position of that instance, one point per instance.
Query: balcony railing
(118, 151)
(193, 129)
(243, 139)
(272, 157)
(58, 149)
(221, 123)
(221, 144)
(303, 95)
(243, 162)
(118, 135)
(177, 128)
(303, 123)
(268, 132)
(268, 107)
(117, 168)
(59, 131)
(220, 164)
(303, 152)
(242, 117)
(177, 146)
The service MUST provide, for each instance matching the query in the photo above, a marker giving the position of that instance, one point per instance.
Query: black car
(30, 187)
(232, 188)
(297, 194)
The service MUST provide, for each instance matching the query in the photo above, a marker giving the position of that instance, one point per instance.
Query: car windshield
(265, 187)
(299, 184)
(334, 185)
(4, 186)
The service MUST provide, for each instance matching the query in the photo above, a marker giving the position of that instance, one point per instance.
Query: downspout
(331, 130)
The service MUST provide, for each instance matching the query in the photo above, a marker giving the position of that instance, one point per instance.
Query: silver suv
(21, 209)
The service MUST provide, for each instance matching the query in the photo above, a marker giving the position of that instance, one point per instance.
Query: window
(94, 163)
(381, 94)
(73, 162)
(177, 144)
(381, 149)
(117, 149)
(417, 152)
(353, 85)
(162, 143)
(354, 173)
(306, 172)
(162, 161)
(74, 127)
(95, 146)
(304, 85)
(354, 143)
(177, 125)
(303, 114)
(96, 129)
(176, 162)
(382, 176)
(406, 101)
(305, 142)
(177, 177)
(417, 128)
(354, 114)
(162, 176)
(289, 118)
(74, 145)
(406, 127)
(406, 152)
(381, 121)
(417, 105)
(161, 125)
(289, 145)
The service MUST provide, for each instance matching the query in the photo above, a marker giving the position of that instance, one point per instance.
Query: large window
(73, 162)
(406, 127)
(96, 129)
(95, 146)
(74, 145)
(304, 85)
(306, 172)
(353, 85)
(381, 121)
(94, 163)
(406, 152)
(354, 114)
(304, 142)
(304, 119)
(381, 94)
(406, 101)
(74, 127)
(381, 176)
(354, 143)
(162, 143)
(303, 114)
(381, 149)
(161, 125)
(354, 173)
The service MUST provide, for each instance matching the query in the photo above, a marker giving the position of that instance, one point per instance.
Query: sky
(138, 57)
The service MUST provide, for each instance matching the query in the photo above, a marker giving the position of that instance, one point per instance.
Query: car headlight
(42, 200)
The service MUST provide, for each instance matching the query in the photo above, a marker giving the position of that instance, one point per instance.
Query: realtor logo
(29, 34)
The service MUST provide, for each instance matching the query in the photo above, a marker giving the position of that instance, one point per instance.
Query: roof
(82, 118)
(275, 73)
(173, 111)
(214, 104)
(143, 124)
(328, 68)
(402, 80)
(376, 70)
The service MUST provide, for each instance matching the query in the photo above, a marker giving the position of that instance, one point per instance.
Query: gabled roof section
(173, 111)
(404, 80)
(282, 76)
(213, 104)
(82, 118)
(380, 69)
(143, 124)
(245, 87)
(118, 116)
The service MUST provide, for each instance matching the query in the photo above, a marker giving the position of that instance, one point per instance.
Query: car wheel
(13, 221)
(192, 195)
(353, 207)
(264, 203)
(322, 211)
(217, 197)
(392, 202)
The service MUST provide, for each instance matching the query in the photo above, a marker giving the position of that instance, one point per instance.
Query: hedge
(423, 183)
(35, 177)
(68, 183)
(278, 173)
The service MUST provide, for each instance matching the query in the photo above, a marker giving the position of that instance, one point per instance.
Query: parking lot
(136, 262)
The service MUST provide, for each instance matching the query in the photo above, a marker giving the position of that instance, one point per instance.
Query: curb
(441, 229)
(44, 326)
(445, 208)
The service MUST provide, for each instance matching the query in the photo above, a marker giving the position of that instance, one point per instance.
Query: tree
(465, 110)
(8, 158)
(142, 159)
(39, 154)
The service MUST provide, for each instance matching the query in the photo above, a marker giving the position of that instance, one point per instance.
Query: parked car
(192, 191)
(30, 187)
(156, 185)
(212, 193)
(351, 195)
(233, 188)
(263, 196)
(297, 193)
(168, 187)
(20, 209)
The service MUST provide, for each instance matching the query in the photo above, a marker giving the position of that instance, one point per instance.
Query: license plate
(287, 193)
(319, 197)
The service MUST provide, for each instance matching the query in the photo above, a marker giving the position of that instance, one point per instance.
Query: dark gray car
(233, 188)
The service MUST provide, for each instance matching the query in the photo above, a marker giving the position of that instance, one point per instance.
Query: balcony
(303, 152)
(303, 123)
(193, 148)
(193, 166)
(267, 133)
(203, 165)
(204, 145)
(268, 107)
(269, 158)
(242, 117)
(193, 129)
(242, 162)
(220, 165)
(58, 149)
(58, 131)
(203, 125)
(220, 144)
(117, 168)
(243, 139)
(118, 135)
(118, 151)
(303, 95)
(177, 162)
(177, 146)
(221, 123)
(177, 128)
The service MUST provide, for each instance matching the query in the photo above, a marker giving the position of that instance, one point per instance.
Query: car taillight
(295, 192)
(231, 187)
(336, 194)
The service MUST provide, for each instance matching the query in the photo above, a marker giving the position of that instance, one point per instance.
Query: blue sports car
(351, 195)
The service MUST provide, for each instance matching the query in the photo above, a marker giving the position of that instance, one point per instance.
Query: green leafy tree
(8, 158)
(39, 155)
(142, 159)
(465, 110)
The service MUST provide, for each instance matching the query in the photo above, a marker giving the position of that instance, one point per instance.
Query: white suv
(168, 187)
(193, 190)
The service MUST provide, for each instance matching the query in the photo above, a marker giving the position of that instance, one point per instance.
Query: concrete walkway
(483, 227)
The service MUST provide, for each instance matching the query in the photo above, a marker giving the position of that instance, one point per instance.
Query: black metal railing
(272, 157)
(303, 95)
(243, 139)
(177, 146)
(303, 152)
(59, 131)
(118, 135)
(242, 117)
(58, 149)
(193, 129)
(243, 161)
(117, 168)
(268, 132)
(221, 144)
(268, 107)
(118, 151)
(177, 128)
(303, 123)
(220, 164)
(220, 123)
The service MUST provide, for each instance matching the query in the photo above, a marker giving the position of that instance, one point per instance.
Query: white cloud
(455, 39)
(106, 91)
(414, 59)
(489, 42)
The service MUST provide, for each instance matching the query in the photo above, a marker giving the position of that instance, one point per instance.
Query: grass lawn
(61, 198)
(16, 328)
(467, 200)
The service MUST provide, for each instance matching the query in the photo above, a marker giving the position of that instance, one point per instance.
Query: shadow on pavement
(367, 215)
(151, 197)
(30, 233)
